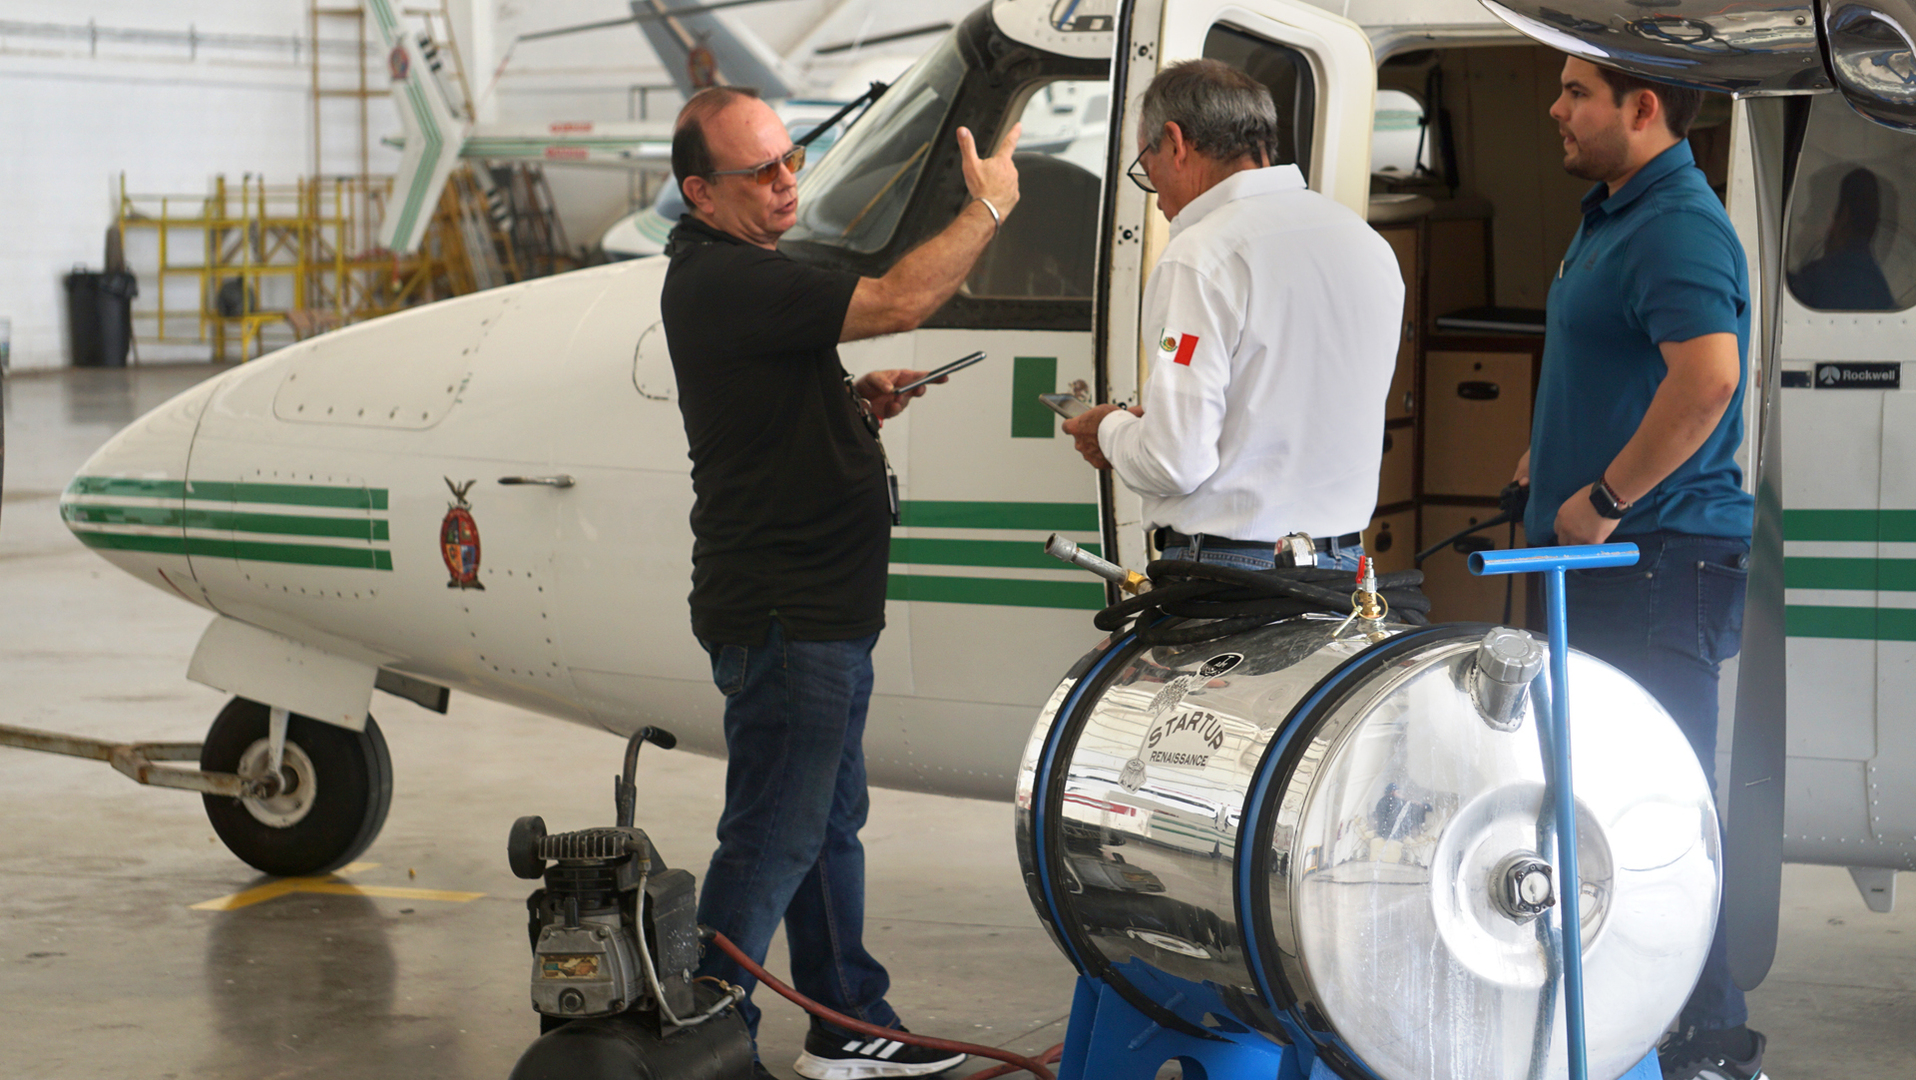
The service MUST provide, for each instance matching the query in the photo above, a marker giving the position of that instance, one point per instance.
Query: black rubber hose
(1206, 601)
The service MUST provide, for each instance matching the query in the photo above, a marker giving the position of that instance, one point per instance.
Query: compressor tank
(1338, 834)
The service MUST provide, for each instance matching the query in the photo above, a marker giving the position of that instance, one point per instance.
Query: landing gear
(329, 801)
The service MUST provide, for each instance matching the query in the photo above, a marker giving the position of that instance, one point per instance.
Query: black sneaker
(829, 1056)
(1735, 1054)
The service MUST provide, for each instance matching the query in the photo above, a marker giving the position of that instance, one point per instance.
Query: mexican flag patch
(1178, 347)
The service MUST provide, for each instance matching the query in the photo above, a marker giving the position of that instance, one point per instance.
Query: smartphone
(956, 365)
(1065, 405)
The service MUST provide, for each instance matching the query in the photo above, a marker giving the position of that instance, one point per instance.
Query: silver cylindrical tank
(1338, 833)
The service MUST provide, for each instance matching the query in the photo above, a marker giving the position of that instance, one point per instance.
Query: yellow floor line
(331, 885)
(250, 896)
(341, 888)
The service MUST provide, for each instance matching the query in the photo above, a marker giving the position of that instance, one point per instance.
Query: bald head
(726, 135)
(691, 150)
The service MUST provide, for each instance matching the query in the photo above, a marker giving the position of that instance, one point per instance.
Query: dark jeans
(1667, 622)
(795, 799)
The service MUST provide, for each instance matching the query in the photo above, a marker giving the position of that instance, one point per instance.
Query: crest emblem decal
(1221, 663)
(459, 539)
(398, 63)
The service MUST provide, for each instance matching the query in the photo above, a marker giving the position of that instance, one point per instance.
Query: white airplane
(489, 494)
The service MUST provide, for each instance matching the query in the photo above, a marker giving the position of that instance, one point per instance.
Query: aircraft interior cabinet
(1396, 482)
(1392, 534)
(1406, 240)
(1478, 421)
(1457, 270)
(1456, 595)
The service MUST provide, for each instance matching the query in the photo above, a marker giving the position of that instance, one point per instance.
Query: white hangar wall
(76, 111)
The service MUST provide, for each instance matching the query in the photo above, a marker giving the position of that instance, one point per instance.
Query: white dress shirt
(1276, 313)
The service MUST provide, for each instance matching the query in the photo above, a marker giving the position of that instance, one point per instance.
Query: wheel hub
(278, 800)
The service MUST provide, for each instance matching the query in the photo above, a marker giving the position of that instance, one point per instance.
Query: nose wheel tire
(328, 803)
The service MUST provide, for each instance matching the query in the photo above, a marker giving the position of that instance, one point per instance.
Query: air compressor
(615, 939)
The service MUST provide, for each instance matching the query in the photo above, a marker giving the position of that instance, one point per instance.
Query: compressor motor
(615, 940)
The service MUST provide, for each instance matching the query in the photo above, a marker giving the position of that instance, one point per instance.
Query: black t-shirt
(792, 517)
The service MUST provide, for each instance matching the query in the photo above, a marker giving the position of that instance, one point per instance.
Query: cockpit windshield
(854, 199)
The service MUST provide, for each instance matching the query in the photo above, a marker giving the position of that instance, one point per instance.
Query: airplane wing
(625, 145)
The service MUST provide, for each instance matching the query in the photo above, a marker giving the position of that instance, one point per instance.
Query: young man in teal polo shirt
(1638, 420)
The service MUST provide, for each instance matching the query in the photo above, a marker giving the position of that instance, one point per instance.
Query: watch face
(1605, 501)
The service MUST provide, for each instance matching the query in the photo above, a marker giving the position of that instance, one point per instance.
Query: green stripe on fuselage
(344, 528)
(1075, 595)
(1879, 575)
(352, 558)
(1876, 526)
(1854, 623)
(334, 496)
(1052, 517)
(1025, 554)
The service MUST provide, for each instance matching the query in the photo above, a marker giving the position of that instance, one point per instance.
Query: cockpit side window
(1286, 72)
(1048, 249)
(1852, 229)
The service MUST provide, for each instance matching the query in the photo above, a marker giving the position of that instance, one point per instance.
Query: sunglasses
(793, 159)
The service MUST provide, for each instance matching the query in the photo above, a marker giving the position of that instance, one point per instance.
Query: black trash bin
(100, 316)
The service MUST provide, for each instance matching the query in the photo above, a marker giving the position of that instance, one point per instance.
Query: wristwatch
(1606, 501)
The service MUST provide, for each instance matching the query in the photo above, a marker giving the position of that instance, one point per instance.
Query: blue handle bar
(1530, 560)
(1552, 562)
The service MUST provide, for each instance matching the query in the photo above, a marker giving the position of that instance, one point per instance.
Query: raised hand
(994, 178)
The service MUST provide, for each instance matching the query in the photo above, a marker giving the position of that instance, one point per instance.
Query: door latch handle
(560, 481)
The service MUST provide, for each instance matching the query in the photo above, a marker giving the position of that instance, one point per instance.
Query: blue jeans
(1345, 559)
(795, 799)
(1668, 622)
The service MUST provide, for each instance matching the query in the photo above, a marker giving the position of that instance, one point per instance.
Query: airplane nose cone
(127, 501)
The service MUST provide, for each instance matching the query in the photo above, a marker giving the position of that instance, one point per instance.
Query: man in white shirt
(1276, 315)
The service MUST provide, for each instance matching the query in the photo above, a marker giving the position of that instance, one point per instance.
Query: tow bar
(141, 761)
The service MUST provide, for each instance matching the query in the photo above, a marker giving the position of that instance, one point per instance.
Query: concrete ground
(108, 970)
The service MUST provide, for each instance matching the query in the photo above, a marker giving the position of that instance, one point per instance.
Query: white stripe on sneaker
(892, 1046)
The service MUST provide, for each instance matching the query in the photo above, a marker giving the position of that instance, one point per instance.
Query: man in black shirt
(792, 529)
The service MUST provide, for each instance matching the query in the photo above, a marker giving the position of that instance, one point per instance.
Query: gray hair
(1224, 113)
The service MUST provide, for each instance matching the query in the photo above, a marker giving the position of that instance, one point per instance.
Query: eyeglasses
(1138, 175)
(793, 159)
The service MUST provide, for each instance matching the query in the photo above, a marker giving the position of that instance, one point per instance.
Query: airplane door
(1319, 67)
(1322, 75)
(1849, 261)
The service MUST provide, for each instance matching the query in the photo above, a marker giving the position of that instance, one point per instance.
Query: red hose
(1048, 1057)
(1015, 1061)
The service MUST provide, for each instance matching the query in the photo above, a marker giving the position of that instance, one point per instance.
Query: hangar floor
(108, 969)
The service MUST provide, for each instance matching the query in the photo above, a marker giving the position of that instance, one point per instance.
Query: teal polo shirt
(1656, 262)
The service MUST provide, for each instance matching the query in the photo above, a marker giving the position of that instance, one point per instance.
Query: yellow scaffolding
(265, 259)
(269, 263)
